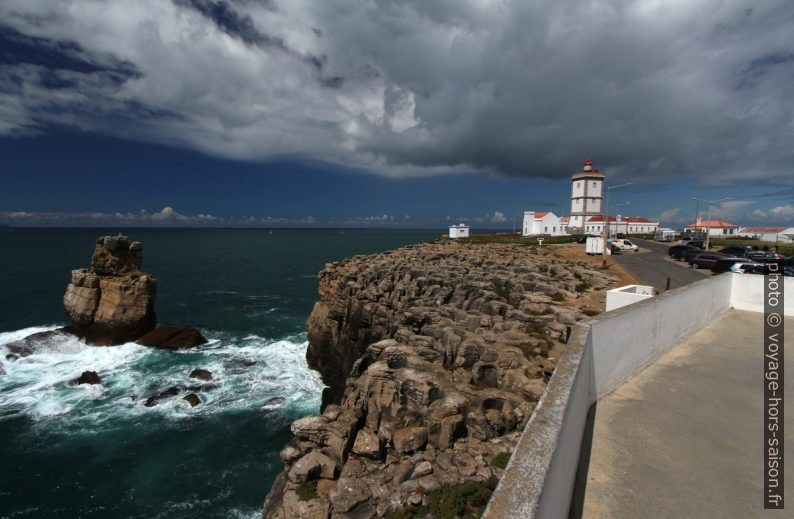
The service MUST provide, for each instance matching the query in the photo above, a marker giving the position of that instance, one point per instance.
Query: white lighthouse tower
(587, 188)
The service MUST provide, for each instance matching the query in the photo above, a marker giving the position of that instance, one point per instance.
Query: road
(654, 267)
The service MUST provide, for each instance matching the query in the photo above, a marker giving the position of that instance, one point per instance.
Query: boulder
(314, 465)
(88, 377)
(192, 399)
(410, 439)
(174, 338)
(52, 340)
(367, 444)
(202, 374)
(154, 400)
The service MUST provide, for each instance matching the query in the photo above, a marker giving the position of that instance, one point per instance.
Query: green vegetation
(543, 268)
(553, 271)
(307, 490)
(466, 500)
(500, 460)
(785, 249)
(531, 351)
(517, 238)
(558, 297)
(584, 286)
(504, 293)
(577, 275)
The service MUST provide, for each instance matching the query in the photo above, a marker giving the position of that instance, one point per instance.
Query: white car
(624, 244)
(746, 267)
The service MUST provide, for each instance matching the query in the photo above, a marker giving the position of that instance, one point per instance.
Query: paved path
(684, 438)
(654, 267)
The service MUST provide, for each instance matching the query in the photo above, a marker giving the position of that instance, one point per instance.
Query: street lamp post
(617, 213)
(606, 221)
(708, 218)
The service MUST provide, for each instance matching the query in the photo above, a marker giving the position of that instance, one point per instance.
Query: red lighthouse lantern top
(588, 165)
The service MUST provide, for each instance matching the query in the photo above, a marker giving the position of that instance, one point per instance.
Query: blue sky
(305, 113)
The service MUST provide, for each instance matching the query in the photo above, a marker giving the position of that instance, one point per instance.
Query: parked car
(761, 255)
(693, 242)
(704, 260)
(679, 252)
(735, 250)
(724, 264)
(624, 244)
(748, 267)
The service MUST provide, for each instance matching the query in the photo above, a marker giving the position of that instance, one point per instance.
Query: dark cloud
(649, 90)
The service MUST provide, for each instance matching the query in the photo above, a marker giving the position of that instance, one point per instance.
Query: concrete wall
(747, 292)
(602, 353)
(624, 296)
(627, 340)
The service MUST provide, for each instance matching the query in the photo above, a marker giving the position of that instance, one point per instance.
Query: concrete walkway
(684, 438)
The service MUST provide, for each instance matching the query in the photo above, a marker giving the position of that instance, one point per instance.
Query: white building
(620, 225)
(459, 231)
(542, 223)
(587, 188)
(715, 227)
(775, 234)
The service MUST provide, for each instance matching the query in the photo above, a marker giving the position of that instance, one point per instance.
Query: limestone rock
(192, 399)
(113, 302)
(202, 374)
(434, 356)
(174, 337)
(312, 466)
(88, 377)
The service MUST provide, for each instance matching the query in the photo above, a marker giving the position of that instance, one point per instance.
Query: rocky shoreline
(434, 356)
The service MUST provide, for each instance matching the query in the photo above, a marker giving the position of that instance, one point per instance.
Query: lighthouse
(587, 188)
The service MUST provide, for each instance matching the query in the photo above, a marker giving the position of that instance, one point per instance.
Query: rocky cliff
(434, 356)
(113, 301)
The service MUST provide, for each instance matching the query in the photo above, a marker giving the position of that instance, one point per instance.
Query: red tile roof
(541, 215)
(711, 223)
(762, 230)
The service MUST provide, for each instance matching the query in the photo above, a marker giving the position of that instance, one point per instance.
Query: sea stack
(112, 302)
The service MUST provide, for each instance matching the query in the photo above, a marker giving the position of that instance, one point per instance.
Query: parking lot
(651, 266)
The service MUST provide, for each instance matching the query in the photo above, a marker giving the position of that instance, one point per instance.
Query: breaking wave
(249, 372)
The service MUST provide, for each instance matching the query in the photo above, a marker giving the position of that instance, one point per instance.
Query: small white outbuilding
(459, 231)
(544, 222)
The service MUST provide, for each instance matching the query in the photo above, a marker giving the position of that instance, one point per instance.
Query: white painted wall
(624, 296)
(457, 231)
(747, 292)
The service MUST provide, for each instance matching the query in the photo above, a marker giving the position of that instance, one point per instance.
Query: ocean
(97, 451)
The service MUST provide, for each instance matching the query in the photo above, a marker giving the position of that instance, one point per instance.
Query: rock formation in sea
(434, 356)
(113, 301)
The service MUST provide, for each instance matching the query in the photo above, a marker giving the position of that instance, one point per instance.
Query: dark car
(764, 256)
(680, 252)
(725, 264)
(704, 260)
(734, 251)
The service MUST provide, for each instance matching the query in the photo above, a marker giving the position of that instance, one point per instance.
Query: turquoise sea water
(97, 451)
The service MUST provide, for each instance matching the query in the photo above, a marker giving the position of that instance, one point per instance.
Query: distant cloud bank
(650, 90)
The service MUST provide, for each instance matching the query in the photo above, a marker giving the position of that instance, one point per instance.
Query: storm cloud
(648, 89)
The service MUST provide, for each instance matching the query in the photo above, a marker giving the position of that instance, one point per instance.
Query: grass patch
(577, 275)
(584, 286)
(466, 500)
(558, 297)
(504, 293)
(500, 460)
(307, 490)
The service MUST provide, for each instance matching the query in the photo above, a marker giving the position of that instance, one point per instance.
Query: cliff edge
(434, 356)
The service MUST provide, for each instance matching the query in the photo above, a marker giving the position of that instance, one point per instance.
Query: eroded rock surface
(113, 301)
(434, 356)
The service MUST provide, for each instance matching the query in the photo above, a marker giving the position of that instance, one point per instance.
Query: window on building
(594, 184)
(578, 184)
(592, 200)
(554, 229)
